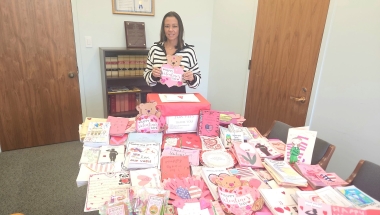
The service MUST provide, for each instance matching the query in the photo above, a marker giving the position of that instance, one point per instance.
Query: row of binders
(125, 66)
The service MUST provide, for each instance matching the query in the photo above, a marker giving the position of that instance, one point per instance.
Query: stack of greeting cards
(97, 134)
(284, 174)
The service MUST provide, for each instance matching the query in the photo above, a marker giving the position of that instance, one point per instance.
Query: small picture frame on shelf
(133, 7)
(135, 34)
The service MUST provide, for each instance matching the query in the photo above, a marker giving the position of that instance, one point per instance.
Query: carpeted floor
(41, 180)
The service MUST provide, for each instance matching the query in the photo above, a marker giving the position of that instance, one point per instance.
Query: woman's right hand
(156, 72)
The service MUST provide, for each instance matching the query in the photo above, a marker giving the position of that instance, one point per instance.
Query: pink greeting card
(148, 124)
(118, 125)
(171, 140)
(171, 75)
(191, 141)
(246, 155)
(208, 123)
(193, 155)
(175, 167)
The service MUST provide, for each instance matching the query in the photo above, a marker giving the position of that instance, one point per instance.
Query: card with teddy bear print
(172, 71)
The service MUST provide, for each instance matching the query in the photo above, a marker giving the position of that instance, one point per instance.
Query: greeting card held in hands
(171, 73)
(208, 123)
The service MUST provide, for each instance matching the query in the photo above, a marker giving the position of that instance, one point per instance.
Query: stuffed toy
(172, 71)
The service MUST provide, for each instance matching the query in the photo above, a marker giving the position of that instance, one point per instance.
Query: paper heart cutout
(283, 192)
(144, 180)
(324, 212)
(181, 97)
(287, 208)
(278, 209)
(183, 193)
(301, 208)
(195, 192)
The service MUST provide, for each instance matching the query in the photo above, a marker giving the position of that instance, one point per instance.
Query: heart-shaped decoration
(240, 200)
(324, 212)
(279, 209)
(144, 180)
(183, 193)
(147, 124)
(283, 192)
(287, 208)
(195, 192)
(301, 208)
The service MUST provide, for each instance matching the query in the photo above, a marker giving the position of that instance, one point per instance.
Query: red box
(179, 108)
(180, 117)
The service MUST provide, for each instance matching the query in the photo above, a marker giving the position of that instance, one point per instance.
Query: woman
(171, 43)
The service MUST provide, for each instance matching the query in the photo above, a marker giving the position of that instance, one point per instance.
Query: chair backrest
(366, 177)
(322, 152)
(279, 130)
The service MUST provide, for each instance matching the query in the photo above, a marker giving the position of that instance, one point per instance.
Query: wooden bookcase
(115, 74)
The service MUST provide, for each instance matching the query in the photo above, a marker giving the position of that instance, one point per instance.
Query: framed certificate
(133, 7)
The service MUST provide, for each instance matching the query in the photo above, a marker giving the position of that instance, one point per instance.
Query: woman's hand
(156, 72)
(188, 76)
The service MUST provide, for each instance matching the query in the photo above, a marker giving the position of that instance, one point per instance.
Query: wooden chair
(366, 177)
(322, 152)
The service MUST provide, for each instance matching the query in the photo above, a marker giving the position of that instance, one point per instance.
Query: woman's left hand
(188, 76)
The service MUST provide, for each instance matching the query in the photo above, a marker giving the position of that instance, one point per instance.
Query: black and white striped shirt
(157, 57)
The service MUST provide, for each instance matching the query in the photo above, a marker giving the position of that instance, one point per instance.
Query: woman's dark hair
(163, 38)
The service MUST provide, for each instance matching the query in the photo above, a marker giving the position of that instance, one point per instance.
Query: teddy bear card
(149, 118)
(172, 71)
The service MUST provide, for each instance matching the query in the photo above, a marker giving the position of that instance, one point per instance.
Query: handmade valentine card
(171, 73)
(175, 167)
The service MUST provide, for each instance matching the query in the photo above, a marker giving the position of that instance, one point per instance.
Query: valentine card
(279, 200)
(193, 155)
(171, 75)
(191, 141)
(309, 207)
(146, 178)
(211, 143)
(148, 124)
(173, 140)
(175, 167)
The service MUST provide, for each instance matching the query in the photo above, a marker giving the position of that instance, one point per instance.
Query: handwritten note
(174, 167)
(192, 154)
(180, 124)
(100, 188)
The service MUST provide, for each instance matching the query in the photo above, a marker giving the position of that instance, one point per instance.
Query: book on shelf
(120, 66)
(280, 201)
(108, 67)
(132, 65)
(97, 134)
(114, 70)
(283, 173)
(300, 145)
(318, 177)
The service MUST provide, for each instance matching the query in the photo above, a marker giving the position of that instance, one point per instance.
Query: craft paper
(193, 155)
(174, 167)
(171, 76)
(188, 97)
(99, 189)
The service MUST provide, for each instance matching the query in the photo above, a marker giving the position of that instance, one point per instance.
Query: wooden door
(285, 51)
(39, 102)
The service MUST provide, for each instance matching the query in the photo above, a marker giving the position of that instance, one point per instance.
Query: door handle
(71, 75)
(298, 99)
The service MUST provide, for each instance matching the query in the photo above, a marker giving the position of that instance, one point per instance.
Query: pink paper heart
(144, 180)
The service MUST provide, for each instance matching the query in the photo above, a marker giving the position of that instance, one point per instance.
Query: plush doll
(148, 109)
(172, 71)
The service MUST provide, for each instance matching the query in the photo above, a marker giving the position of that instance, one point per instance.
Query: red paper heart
(278, 209)
(287, 208)
(283, 192)
(324, 212)
(301, 208)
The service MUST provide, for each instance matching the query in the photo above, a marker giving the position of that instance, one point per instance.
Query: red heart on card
(324, 212)
(287, 208)
(283, 192)
(181, 97)
(278, 209)
(301, 208)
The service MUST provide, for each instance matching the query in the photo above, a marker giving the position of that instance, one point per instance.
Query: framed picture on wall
(133, 7)
(135, 34)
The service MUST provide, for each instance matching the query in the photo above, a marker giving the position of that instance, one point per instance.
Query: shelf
(124, 114)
